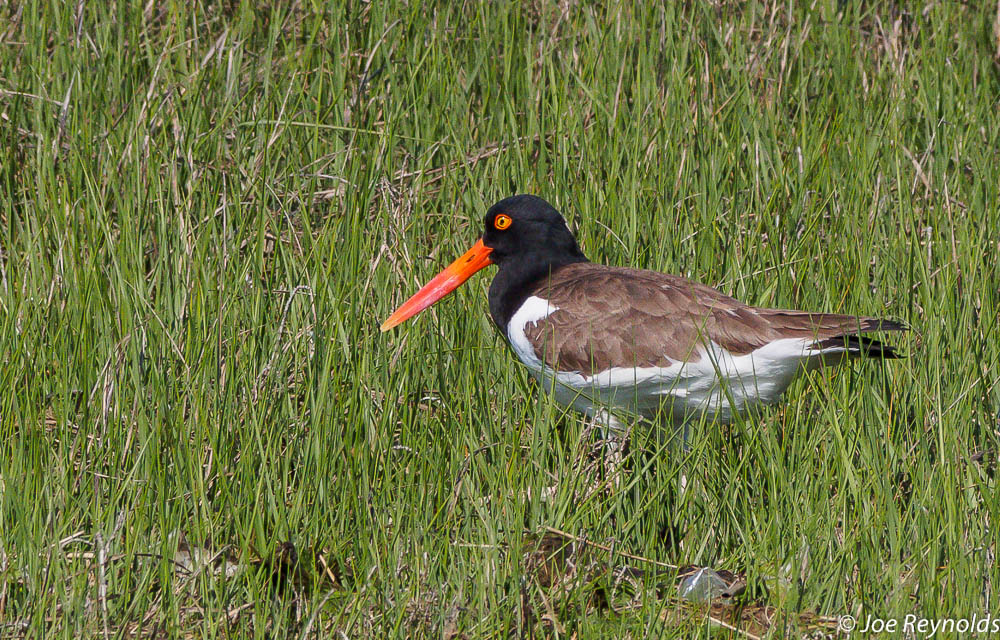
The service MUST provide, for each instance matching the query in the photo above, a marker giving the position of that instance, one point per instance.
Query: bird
(617, 344)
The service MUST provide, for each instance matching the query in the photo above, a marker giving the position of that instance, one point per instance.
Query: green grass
(207, 212)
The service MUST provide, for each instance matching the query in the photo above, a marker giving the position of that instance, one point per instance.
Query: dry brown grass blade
(602, 547)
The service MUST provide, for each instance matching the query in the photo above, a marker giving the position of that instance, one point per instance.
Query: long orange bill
(442, 284)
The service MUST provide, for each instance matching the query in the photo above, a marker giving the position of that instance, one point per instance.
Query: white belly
(719, 384)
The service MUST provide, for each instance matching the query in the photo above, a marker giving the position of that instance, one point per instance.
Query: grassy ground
(206, 212)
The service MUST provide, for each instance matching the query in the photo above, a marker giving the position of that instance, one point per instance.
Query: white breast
(531, 311)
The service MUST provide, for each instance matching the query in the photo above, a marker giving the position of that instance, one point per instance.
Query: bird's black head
(526, 227)
(525, 237)
(528, 240)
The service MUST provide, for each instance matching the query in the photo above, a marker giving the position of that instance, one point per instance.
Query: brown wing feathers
(609, 317)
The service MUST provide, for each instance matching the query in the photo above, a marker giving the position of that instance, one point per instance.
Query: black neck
(517, 279)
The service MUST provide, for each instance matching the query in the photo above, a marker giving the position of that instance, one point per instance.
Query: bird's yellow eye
(501, 222)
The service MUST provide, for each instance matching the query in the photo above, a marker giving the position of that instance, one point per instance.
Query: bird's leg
(678, 445)
(615, 435)
(679, 433)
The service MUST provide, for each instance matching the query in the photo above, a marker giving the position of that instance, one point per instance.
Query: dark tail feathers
(859, 345)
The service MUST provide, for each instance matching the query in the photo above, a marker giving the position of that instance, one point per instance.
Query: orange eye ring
(502, 222)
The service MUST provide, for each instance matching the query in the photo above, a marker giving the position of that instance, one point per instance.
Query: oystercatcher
(610, 340)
